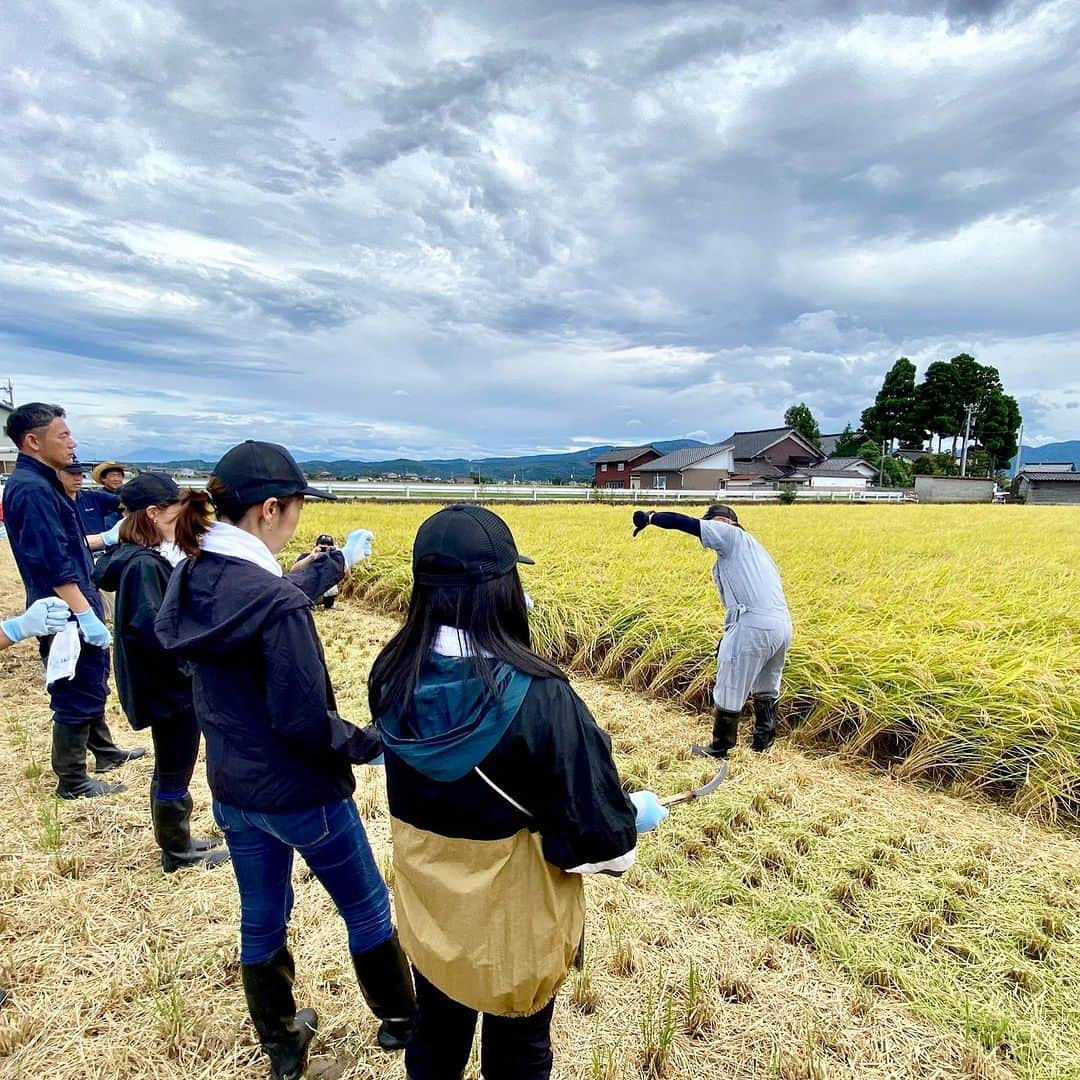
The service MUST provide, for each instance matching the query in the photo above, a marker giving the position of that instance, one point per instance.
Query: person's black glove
(641, 520)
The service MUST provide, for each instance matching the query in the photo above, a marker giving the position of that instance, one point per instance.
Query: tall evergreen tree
(997, 424)
(894, 414)
(802, 420)
(938, 403)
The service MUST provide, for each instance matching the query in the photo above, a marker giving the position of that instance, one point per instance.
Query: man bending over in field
(757, 627)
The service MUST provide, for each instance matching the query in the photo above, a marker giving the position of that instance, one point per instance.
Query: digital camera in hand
(325, 542)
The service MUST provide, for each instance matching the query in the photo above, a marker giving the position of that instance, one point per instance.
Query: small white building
(850, 472)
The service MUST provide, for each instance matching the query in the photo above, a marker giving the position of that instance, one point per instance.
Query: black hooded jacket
(153, 684)
(274, 740)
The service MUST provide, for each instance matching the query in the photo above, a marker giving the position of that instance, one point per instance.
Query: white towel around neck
(226, 539)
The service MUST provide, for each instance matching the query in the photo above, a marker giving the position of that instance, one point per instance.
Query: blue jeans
(333, 843)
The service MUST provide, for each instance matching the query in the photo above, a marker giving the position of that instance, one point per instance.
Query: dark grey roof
(840, 463)
(828, 442)
(1054, 477)
(759, 468)
(678, 460)
(622, 453)
(749, 444)
(1049, 466)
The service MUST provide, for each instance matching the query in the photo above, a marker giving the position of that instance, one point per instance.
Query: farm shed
(1040, 486)
(837, 478)
(954, 489)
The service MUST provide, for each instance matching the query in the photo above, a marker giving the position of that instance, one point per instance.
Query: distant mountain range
(1058, 451)
(529, 469)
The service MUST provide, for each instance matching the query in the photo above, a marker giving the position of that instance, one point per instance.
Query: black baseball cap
(255, 471)
(149, 489)
(76, 467)
(464, 544)
(719, 510)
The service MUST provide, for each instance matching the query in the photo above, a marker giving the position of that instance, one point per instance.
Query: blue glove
(649, 811)
(357, 547)
(93, 629)
(41, 619)
(380, 760)
(111, 537)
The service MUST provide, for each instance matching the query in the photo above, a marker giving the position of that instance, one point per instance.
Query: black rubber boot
(106, 753)
(69, 764)
(386, 983)
(172, 831)
(284, 1033)
(724, 737)
(765, 717)
(208, 843)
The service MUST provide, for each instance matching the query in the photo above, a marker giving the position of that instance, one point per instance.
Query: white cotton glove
(357, 547)
(42, 618)
(649, 811)
(93, 629)
(530, 603)
(111, 537)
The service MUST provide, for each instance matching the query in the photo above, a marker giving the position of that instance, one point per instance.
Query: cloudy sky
(468, 228)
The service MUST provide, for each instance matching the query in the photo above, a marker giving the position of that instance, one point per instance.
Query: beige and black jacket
(488, 866)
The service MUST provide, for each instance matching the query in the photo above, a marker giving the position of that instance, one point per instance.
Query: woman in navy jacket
(279, 757)
(154, 687)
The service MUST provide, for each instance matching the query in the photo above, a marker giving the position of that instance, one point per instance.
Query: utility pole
(9, 394)
(967, 437)
(1019, 451)
(881, 467)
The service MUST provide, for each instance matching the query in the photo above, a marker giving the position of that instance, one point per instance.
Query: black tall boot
(724, 737)
(386, 983)
(69, 764)
(172, 831)
(284, 1033)
(106, 753)
(197, 843)
(765, 717)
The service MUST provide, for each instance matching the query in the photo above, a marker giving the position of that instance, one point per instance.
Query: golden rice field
(813, 920)
(943, 640)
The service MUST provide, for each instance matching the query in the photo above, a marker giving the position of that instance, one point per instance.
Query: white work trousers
(750, 659)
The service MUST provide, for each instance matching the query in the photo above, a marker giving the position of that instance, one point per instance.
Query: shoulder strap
(499, 791)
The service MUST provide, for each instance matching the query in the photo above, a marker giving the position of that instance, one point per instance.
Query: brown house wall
(691, 480)
(784, 451)
(621, 476)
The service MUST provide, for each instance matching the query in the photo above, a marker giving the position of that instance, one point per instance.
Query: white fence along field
(379, 491)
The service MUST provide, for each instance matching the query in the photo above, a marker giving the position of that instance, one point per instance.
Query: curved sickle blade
(697, 793)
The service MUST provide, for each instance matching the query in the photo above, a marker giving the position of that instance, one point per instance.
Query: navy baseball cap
(719, 510)
(256, 471)
(464, 544)
(76, 468)
(149, 489)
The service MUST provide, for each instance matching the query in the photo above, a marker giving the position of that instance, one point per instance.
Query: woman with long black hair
(502, 795)
(154, 686)
(279, 758)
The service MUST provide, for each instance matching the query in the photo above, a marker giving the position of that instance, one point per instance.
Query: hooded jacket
(153, 685)
(498, 806)
(262, 694)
